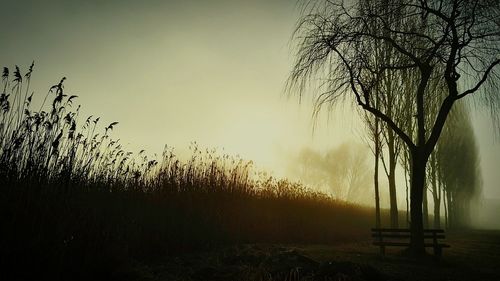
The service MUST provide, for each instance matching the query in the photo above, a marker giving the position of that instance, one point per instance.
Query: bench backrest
(404, 233)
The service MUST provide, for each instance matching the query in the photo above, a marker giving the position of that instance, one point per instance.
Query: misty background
(173, 72)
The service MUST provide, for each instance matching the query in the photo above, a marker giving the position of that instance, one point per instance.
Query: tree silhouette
(374, 141)
(458, 161)
(455, 42)
(343, 170)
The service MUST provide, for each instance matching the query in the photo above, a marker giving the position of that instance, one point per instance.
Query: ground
(474, 255)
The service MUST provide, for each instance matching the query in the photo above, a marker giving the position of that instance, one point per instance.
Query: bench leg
(438, 251)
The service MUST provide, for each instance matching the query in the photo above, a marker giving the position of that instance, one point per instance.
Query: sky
(173, 72)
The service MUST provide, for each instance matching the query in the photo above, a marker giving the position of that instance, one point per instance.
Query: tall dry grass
(76, 204)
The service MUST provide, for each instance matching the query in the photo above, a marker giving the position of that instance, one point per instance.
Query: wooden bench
(384, 237)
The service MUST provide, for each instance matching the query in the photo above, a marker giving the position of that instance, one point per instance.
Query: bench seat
(400, 237)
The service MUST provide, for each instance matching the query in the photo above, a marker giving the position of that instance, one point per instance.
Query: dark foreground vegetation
(75, 205)
(473, 256)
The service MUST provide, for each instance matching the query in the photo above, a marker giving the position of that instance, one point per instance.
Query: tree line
(408, 65)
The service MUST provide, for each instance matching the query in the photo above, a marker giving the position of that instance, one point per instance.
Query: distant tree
(308, 166)
(459, 171)
(343, 170)
(456, 42)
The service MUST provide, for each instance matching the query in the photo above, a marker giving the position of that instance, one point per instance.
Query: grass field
(474, 255)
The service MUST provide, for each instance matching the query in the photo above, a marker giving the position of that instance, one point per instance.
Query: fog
(172, 72)
(345, 171)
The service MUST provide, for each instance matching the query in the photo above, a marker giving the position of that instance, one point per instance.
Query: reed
(76, 204)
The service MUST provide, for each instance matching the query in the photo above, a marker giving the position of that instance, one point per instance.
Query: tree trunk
(392, 178)
(425, 207)
(445, 202)
(437, 213)
(407, 199)
(416, 199)
(451, 210)
(375, 175)
(436, 193)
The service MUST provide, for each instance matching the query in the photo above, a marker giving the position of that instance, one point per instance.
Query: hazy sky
(172, 72)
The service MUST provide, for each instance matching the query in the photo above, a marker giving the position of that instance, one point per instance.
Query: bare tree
(433, 182)
(456, 42)
(390, 102)
(342, 170)
(375, 144)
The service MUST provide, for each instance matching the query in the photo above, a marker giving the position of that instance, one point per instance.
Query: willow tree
(458, 163)
(454, 41)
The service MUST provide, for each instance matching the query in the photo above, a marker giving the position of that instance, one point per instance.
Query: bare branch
(483, 79)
